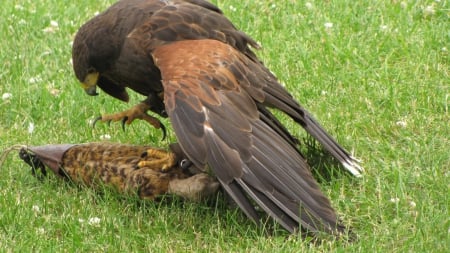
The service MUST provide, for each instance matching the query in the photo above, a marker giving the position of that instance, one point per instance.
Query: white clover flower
(40, 231)
(53, 27)
(105, 137)
(429, 10)
(54, 92)
(36, 209)
(94, 221)
(232, 8)
(394, 200)
(35, 79)
(308, 5)
(383, 27)
(6, 96)
(53, 23)
(30, 127)
(328, 25)
(412, 204)
(401, 123)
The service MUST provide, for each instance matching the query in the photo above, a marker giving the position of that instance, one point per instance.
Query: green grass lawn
(374, 73)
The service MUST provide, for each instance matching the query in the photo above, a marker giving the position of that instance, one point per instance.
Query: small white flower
(412, 204)
(35, 79)
(53, 23)
(308, 5)
(53, 27)
(30, 128)
(429, 10)
(232, 8)
(383, 27)
(94, 221)
(36, 209)
(19, 7)
(54, 92)
(444, 49)
(40, 231)
(6, 96)
(105, 137)
(323, 92)
(48, 52)
(80, 220)
(273, 6)
(394, 200)
(328, 25)
(401, 123)
(96, 13)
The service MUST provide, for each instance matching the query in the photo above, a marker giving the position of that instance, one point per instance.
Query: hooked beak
(90, 84)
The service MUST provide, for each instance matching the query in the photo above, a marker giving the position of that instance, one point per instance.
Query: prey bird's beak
(90, 84)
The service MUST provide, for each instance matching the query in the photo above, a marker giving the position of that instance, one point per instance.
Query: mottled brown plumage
(199, 70)
(130, 169)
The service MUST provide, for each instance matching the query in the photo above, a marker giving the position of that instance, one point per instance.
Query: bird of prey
(130, 169)
(196, 68)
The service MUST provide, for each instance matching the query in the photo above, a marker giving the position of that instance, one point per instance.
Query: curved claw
(163, 129)
(95, 120)
(185, 164)
(124, 120)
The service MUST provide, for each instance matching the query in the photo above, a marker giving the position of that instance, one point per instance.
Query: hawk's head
(95, 49)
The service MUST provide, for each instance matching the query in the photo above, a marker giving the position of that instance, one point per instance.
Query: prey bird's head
(94, 51)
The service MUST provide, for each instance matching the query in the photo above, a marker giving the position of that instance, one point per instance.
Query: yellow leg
(157, 159)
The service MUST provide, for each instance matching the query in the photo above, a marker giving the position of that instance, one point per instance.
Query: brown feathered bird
(198, 69)
(130, 169)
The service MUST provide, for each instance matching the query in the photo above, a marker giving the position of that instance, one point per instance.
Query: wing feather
(221, 125)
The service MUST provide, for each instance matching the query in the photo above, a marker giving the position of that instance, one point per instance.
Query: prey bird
(130, 169)
(196, 68)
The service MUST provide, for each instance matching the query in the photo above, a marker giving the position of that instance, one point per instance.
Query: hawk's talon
(124, 120)
(95, 121)
(163, 129)
(157, 159)
(185, 164)
(126, 117)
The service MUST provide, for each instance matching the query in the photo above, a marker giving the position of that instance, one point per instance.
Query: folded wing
(218, 112)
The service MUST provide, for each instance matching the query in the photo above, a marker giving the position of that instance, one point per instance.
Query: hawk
(196, 68)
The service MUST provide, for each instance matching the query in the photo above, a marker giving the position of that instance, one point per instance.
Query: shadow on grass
(324, 167)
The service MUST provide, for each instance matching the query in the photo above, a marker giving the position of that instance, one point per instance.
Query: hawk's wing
(219, 119)
(188, 22)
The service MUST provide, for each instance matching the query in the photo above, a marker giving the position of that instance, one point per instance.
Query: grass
(375, 74)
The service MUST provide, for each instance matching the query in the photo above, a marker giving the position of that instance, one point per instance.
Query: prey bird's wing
(220, 120)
